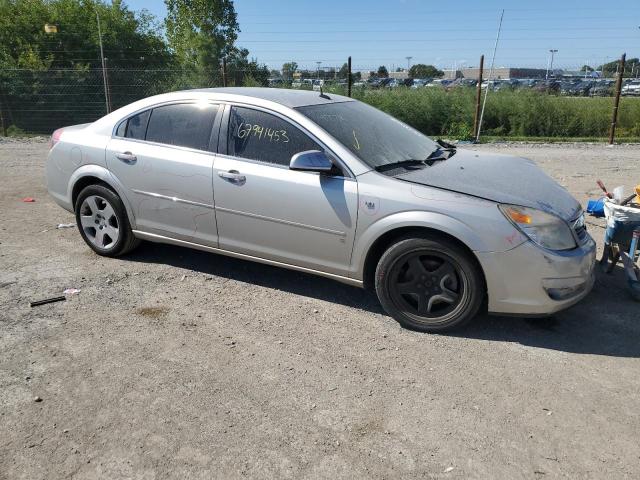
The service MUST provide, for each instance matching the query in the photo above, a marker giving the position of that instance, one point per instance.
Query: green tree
(420, 70)
(344, 70)
(59, 75)
(243, 71)
(631, 66)
(201, 32)
(288, 69)
(586, 68)
(382, 71)
(130, 39)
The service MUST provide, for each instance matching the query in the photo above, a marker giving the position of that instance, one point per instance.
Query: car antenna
(322, 95)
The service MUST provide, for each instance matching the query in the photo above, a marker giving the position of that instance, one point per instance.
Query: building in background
(504, 73)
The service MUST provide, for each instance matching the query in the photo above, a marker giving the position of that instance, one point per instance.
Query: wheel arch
(97, 175)
(371, 247)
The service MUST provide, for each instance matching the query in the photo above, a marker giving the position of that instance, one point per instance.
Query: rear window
(184, 125)
(136, 126)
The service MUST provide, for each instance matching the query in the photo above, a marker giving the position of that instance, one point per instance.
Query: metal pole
(104, 76)
(224, 71)
(349, 79)
(476, 118)
(552, 51)
(3, 125)
(486, 93)
(616, 102)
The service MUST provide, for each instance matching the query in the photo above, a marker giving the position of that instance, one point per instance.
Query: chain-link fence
(36, 101)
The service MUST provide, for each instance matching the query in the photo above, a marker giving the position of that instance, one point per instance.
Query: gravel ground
(173, 363)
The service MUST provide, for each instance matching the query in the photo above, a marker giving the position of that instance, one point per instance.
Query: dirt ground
(173, 363)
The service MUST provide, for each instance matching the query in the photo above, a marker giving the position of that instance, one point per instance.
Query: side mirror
(311, 161)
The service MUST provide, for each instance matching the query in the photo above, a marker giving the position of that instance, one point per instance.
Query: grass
(509, 115)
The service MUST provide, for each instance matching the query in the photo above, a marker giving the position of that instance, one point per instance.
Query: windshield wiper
(442, 152)
(402, 163)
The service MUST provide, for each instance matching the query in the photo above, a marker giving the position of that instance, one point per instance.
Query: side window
(261, 136)
(137, 125)
(184, 125)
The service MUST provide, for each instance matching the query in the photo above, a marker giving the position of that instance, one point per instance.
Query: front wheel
(429, 284)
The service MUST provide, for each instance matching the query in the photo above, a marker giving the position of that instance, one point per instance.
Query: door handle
(127, 157)
(233, 176)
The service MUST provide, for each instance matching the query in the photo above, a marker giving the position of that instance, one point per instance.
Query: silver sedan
(331, 186)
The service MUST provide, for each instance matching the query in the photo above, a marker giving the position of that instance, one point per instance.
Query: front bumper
(529, 280)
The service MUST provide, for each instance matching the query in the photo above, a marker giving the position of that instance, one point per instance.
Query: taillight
(55, 137)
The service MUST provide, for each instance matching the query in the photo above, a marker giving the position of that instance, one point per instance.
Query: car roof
(288, 97)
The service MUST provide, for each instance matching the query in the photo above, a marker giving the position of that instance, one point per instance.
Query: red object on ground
(29, 200)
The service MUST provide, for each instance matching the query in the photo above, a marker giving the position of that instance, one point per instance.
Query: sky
(447, 34)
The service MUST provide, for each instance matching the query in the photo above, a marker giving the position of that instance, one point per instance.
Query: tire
(103, 223)
(429, 284)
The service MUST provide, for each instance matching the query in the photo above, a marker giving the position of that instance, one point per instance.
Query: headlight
(542, 228)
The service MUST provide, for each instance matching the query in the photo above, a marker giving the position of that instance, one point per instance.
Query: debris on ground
(28, 200)
(71, 291)
(47, 300)
(65, 225)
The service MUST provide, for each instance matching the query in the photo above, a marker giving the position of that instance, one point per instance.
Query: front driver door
(266, 210)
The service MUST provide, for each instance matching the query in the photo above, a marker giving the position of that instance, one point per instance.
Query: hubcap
(427, 285)
(99, 222)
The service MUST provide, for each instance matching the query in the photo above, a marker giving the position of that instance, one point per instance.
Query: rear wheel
(103, 223)
(429, 284)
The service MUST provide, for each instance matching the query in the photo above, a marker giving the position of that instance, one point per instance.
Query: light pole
(318, 69)
(553, 51)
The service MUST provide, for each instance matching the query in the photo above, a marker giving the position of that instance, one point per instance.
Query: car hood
(500, 178)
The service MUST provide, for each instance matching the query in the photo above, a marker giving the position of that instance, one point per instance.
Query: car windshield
(373, 136)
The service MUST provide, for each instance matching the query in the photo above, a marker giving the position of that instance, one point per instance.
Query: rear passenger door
(164, 158)
(265, 209)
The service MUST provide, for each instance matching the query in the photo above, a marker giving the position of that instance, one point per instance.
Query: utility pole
(553, 51)
(476, 118)
(107, 101)
(224, 71)
(349, 79)
(493, 61)
(616, 102)
(106, 78)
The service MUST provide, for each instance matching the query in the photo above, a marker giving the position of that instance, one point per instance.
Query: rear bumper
(529, 280)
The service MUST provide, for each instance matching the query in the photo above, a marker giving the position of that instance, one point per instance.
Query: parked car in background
(548, 86)
(327, 185)
(602, 88)
(420, 82)
(631, 88)
(276, 82)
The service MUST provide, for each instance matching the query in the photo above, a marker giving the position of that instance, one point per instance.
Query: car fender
(107, 177)
(418, 219)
